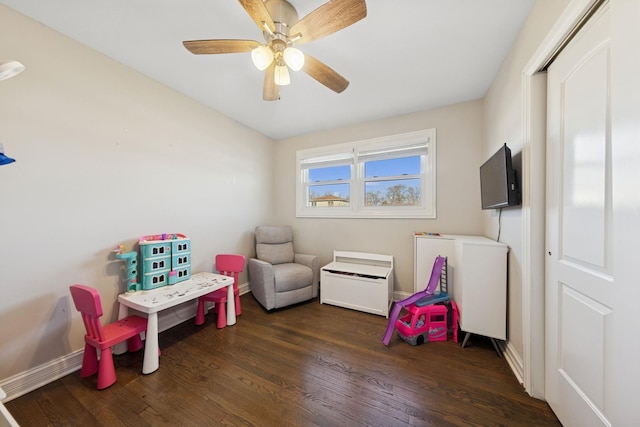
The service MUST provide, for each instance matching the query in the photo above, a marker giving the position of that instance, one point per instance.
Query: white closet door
(579, 271)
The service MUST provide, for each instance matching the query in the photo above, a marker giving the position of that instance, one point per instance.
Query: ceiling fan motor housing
(282, 12)
(284, 16)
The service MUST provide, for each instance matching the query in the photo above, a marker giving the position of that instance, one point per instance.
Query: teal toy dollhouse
(165, 259)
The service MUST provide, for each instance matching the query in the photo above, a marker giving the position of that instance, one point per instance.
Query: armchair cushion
(292, 276)
(275, 254)
(274, 244)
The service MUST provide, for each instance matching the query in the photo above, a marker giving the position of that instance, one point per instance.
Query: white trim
(514, 361)
(24, 382)
(244, 288)
(533, 239)
(400, 295)
(534, 173)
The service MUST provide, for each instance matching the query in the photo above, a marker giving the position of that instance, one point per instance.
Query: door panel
(583, 333)
(579, 271)
(584, 215)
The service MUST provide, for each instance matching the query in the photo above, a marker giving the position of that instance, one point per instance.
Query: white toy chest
(359, 281)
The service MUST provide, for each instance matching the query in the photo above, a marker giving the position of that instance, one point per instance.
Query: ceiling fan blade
(329, 18)
(271, 91)
(324, 74)
(199, 47)
(258, 12)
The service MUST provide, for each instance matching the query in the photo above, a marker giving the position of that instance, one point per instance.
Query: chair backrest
(274, 244)
(230, 265)
(87, 302)
(438, 264)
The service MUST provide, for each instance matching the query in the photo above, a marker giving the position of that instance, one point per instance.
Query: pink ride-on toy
(427, 297)
(423, 324)
(98, 337)
(229, 265)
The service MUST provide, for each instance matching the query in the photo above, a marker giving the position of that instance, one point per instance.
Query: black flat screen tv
(498, 181)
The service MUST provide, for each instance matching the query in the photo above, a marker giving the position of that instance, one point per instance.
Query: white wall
(459, 140)
(105, 155)
(503, 117)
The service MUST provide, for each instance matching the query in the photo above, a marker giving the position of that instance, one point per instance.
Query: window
(389, 177)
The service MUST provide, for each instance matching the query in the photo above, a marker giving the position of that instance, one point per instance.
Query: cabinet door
(427, 248)
(480, 289)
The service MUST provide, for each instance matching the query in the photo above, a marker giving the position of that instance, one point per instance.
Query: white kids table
(155, 300)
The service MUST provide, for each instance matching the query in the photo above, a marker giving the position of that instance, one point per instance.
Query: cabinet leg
(496, 347)
(466, 338)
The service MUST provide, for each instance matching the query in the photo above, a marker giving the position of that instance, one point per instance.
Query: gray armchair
(278, 276)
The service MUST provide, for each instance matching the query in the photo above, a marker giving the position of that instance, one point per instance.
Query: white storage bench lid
(372, 266)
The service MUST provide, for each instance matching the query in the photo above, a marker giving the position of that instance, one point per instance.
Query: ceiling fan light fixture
(262, 57)
(10, 68)
(281, 75)
(294, 58)
(282, 29)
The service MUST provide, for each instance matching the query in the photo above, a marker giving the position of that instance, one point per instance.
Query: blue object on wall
(8, 69)
(4, 160)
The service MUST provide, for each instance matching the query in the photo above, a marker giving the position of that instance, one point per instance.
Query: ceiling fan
(282, 30)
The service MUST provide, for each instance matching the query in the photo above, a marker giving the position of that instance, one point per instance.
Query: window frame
(352, 152)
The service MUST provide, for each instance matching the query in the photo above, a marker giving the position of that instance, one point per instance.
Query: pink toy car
(423, 324)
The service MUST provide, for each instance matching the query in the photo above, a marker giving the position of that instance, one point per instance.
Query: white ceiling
(405, 56)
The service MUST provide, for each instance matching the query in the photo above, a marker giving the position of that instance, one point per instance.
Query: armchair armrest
(310, 261)
(262, 282)
(313, 263)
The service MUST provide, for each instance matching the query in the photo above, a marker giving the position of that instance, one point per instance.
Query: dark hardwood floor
(308, 365)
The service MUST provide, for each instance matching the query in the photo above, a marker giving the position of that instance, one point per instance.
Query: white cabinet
(477, 279)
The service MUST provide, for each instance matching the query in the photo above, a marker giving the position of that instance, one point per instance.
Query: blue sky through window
(388, 167)
(392, 167)
(330, 174)
(377, 168)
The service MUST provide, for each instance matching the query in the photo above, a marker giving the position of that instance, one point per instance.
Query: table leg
(151, 359)
(231, 306)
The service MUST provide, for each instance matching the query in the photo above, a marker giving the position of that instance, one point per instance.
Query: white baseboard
(399, 295)
(27, 381)
(514, 361)
(243, 288)
(42, 375)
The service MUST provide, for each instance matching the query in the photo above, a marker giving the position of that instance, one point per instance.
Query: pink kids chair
(228, 265)
(98, 337)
